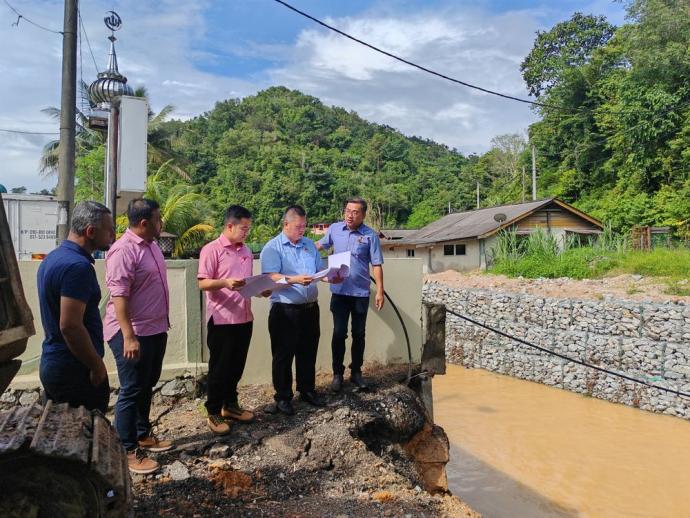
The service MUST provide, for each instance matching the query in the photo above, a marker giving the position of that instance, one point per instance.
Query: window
(410, 252)
(454, 250)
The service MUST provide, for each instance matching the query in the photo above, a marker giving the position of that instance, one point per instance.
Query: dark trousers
(228, 345)
(137, 379)
(295, 332)
(343, 307)
(71, 384)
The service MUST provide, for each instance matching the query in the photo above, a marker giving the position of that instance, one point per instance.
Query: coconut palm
(184, 211)
(87, 139)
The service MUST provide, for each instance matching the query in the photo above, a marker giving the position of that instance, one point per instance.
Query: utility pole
(523, 184)
(534, 173)
(68, 101)
(477, 194)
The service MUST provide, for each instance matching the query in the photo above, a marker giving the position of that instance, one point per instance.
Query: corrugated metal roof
(470, 224)
(398, 233)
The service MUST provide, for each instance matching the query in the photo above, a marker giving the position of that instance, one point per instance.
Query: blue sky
(191, 54)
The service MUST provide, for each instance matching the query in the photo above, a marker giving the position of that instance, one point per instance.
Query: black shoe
(285, 406)
(337, 383)
(312, 398)
(357, 380)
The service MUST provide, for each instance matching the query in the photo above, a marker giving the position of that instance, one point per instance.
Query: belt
(306, 305)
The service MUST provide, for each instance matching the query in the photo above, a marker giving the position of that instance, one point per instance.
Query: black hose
(568, 358)
(407, 337)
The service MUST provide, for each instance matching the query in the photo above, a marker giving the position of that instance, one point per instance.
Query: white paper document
(338, 266)
(257, 284)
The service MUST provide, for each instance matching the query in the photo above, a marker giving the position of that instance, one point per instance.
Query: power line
(22, 132)
(415, 65)
(20, 16)
(88, 43)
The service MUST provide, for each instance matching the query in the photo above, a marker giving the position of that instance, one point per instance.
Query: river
(520, 448)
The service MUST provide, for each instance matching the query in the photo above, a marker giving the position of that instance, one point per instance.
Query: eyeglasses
(353, 212)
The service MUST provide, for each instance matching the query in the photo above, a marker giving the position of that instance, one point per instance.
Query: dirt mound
(345, 459)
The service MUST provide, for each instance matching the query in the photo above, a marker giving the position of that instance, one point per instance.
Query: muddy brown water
(524, 449)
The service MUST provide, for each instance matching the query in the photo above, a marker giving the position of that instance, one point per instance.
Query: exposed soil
(346, 459)
(622, 287)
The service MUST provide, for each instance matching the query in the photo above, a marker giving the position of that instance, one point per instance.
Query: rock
(173, 388)
(430, 450)
(403, 413)
(177, 471)
(290, 445)
(219, 451)
(8, 397)
(28, 398)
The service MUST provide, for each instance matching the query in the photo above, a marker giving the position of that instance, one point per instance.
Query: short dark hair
(140, 208)
(357, 199)
(87, 213)
(235, 213)
(294, 210)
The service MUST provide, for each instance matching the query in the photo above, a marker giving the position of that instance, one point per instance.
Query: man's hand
(98, 374)
(379, 300)
(131, 348)
(304, 280)
(266, 293)
(336, 279)
(234, 284)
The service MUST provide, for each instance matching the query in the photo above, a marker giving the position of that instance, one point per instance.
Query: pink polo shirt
(220, 259)
(136, 269)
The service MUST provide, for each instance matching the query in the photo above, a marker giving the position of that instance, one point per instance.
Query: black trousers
(228, 345)
(137, 379)
(343, 307)
(70, 383)
(295, 332)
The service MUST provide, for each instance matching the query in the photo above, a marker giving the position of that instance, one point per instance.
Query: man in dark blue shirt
(72, 369)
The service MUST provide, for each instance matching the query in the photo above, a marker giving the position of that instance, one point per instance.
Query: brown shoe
(139, 463)
(218, 425)
(151, 443)
(238, 414)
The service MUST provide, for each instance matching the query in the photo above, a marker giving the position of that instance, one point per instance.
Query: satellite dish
(500, 217)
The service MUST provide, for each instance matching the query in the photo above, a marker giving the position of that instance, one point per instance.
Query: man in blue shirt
(351, 297)
(293, 321)
(72, 369)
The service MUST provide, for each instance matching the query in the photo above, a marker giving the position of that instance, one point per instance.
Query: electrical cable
(20, 16)
(88, 43)
(22, 132)
(568, 358)
(415, 65)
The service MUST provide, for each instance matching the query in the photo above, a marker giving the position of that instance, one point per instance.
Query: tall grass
(538, 255)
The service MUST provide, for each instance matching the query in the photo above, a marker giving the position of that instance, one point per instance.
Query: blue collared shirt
(68, 271)
(365, 246)
(279, 255)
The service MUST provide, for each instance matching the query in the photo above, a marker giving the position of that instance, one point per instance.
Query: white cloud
(471, 46)
(161, 43)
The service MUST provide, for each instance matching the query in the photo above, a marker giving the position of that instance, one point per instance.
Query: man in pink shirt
(136, 327)
(223, 266)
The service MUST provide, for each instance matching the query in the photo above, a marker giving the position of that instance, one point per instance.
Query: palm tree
(184, 211)
(87, 139)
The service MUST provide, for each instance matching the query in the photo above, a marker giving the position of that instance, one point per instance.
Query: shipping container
(32, 220)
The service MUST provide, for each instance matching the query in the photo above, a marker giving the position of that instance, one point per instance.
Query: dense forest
(612, 137)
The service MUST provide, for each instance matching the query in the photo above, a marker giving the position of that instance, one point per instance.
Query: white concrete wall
(186, 353)
(467, 262)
